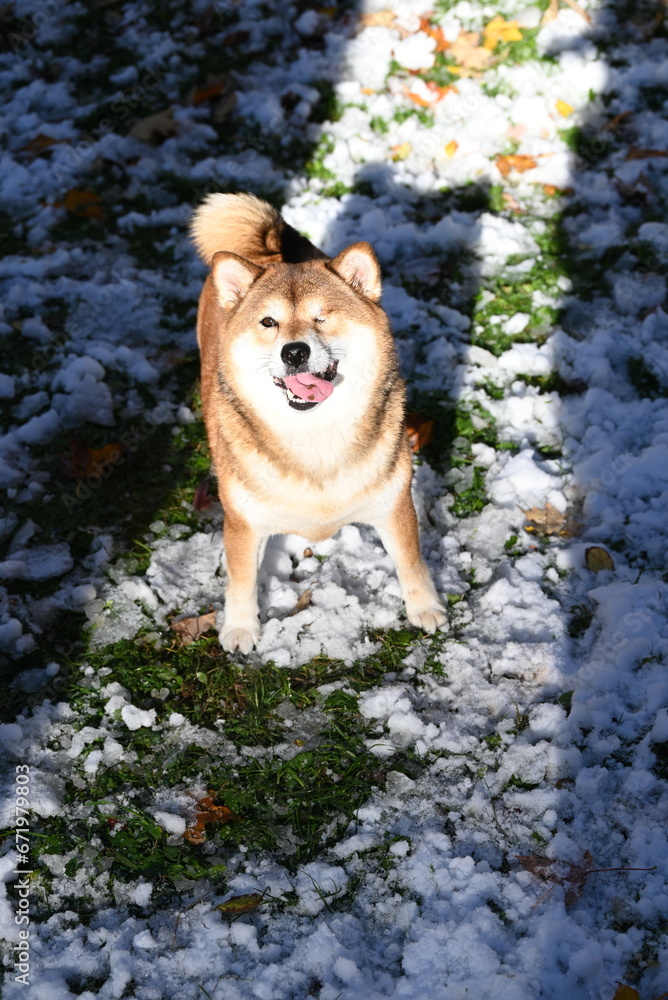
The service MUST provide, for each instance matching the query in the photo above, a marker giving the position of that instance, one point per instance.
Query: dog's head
(298, 335)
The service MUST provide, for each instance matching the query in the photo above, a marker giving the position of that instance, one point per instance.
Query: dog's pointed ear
(232, 276)
(359, 267)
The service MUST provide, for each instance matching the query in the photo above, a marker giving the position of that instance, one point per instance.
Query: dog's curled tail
(249, 227)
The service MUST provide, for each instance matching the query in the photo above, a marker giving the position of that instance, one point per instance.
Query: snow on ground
(538, 725)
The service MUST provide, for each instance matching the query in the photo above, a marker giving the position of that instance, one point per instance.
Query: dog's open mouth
(304, 390)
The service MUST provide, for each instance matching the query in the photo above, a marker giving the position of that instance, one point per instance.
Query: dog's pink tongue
(309, 387)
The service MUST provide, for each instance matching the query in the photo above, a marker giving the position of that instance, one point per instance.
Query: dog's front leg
(399, 534)
(241, 627)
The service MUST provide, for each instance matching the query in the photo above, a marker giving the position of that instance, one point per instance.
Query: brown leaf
(193, 627)
(82, 461)
(40, 143)
(518, 162)
(207, 812)
(203, 499)
(420, 432)
(303, 601)
(548, 520)
(571, 876)
(206, 93)
(236, 905)
(154, 128)
(624, 992)
(467, 53)
(598, 558)
(84, 203)
(637, 153)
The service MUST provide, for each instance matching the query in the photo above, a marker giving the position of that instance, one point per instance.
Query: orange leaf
(441, 91)
(207, 812)
(82, 461)
(206, 93)
(193, 627)
(518, 161)
(434, 32)
(419, 431)
(84, 203)
(417, 99)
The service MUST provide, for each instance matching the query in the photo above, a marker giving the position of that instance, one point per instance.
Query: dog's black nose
(296, 353)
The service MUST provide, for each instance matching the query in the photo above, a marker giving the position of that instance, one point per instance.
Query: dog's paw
(428, 618)
(234, 639)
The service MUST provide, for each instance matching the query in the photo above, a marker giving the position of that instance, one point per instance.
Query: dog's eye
(320, 319)
(268, 321)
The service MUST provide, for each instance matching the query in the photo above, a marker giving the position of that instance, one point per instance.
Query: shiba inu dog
(303, 402)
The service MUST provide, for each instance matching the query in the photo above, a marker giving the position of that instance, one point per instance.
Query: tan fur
(281, 470)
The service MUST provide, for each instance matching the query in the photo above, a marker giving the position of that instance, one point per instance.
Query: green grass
(290, 804)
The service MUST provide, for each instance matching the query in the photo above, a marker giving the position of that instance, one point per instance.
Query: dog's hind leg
(399, 534)
(241, 626)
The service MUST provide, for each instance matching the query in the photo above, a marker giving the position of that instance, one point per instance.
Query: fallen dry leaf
(303, 601)
(206, 93)
(597, 559)
(193, 627)
(564, 109)
(420, 432)
(236, 905)
(441, 91)
(82, 461)
(378, 19)
(83, 203)
(207, 812)
(417, 99)
(547, 520)
(637, 153)
(511, 203)
(552, 11)
(203, 499)
(435, 32)
(467, 53)
(40, 143)
(517, 161)
(499, 30)
(552, 189)
(624, 992)
(571, 876)
(154, 128)
(401, 152)
(451, 148)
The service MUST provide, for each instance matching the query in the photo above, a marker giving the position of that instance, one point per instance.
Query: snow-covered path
(509, 168)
